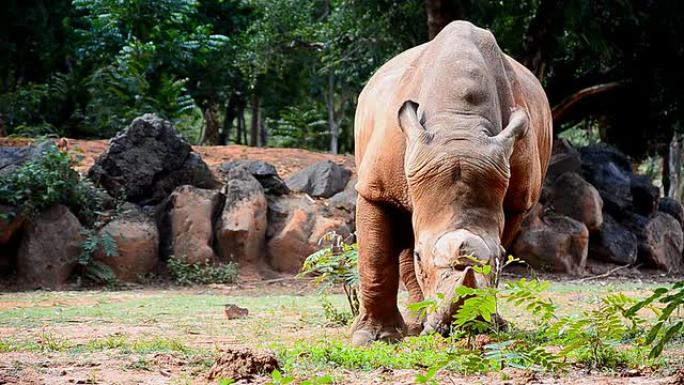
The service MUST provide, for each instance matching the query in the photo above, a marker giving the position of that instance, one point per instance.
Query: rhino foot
(365, 330)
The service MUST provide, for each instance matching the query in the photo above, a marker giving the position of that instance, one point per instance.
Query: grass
(132, 326)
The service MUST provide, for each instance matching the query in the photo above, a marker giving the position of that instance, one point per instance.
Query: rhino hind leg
(379, 229)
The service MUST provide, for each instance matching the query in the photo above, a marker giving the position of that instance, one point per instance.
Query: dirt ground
(173, 335)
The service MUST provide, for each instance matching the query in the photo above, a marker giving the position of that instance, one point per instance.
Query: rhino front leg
(407, 271)
(379, 248)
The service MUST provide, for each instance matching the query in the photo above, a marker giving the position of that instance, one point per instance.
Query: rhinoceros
(453, 139)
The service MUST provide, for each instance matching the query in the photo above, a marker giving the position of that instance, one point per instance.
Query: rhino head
(457, 173)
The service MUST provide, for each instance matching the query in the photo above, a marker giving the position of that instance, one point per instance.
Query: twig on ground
(604, 275)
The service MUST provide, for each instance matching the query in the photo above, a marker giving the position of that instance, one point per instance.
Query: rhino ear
(408, 120)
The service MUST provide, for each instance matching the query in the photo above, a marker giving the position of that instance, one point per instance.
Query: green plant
(92, 269)
(667, 326)
(49, 180)
(336, 264)
(202, 273)
(334, 317)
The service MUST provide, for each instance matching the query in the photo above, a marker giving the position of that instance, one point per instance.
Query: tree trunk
(440, 13)
(228, 121)
(332, 124)
(255, 133)
(211, 124)
(675, 167)
(540, 35)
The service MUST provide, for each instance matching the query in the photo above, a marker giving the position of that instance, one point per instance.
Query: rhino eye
(416, 255)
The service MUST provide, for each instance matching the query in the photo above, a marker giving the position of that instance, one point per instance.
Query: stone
(137, 240)
(673, 207)
(572, 196)
(49, 249)
(553, 243)
(191, 213)
(12, 158)
(10, 223)
(345, 199)
(661, 243)
(264, 172)
(241, 228)
(564, 158)
(147, 161)
(233, 311)
(645, 195)
(321, 180)
(613, 243)
(295, 227)
(610, 172)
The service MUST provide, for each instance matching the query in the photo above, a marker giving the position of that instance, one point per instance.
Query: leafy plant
(202, 273)
(49, 180)
(92, 269)
(335, 264)
(334, 317)
(668, 325)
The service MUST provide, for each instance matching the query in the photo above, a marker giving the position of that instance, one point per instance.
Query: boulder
(572, 196)
(10, 223)
(265, 173)
(191, 213)
(553, 243)
(241, 228)
(661, 242)
(295, 228)
(146, 161)
(345, 199)
(613, 243)
(323, 179)
(12, 158)
(137, 241)
(49, 248)
(610, 172)
(645, 195)
(564, 158)
(673, 207)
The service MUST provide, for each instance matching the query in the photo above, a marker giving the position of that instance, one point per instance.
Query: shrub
(47, 181)
(202, 273)
(336, 264)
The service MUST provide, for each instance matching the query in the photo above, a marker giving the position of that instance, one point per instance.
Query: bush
(47, 181)
(202, 273)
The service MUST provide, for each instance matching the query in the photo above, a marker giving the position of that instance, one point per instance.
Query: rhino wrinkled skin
(453, 140)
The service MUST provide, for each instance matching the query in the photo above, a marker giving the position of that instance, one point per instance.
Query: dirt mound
(241, 364)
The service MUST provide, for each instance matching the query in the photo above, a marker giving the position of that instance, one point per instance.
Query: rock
(661, 243)
(295, 227)
(49, 248)
(610, 172)
(645, 195)
(147, 161)
(323, 179)
(572, 196)
(564, 158)
(613, 243)
(553, 243)
(265, 173)
(10, 223)
(242, 364)
(12, 158)
(137, 241)
(241, 228)
(346, 199)
(191, 213)
(673, 207)
(235, 312)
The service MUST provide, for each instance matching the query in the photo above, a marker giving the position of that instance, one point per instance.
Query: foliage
(201, 273)
(668, 326)
(49, 180)
(334, 317)
(335, 264)
(92, 269)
